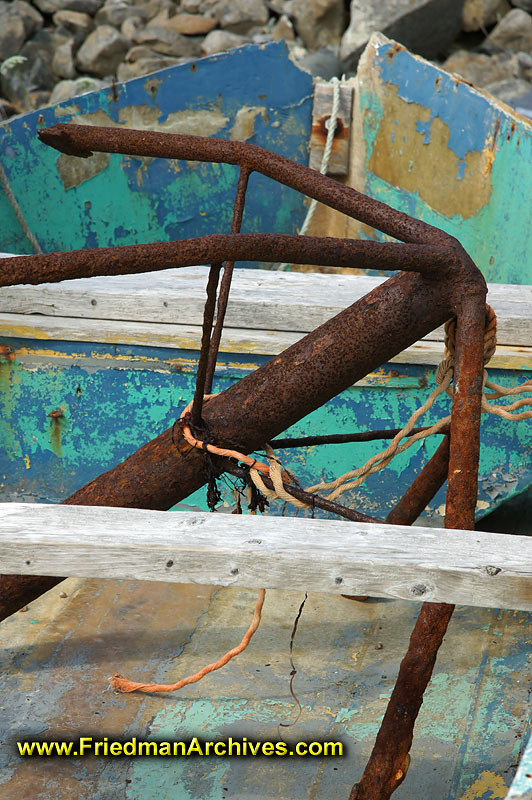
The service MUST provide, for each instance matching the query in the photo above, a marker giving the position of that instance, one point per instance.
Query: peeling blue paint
(115, 398)
(158, 199)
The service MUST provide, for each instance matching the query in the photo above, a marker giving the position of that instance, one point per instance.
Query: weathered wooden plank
(260, 299)
(422, 564)
(321, 113)
(234, 340)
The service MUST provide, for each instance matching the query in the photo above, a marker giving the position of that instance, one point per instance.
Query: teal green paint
(111, 409)
(145, 200)
(495, 236)
(194, 778)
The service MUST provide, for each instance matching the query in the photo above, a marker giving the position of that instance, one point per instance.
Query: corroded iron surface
(438, 280)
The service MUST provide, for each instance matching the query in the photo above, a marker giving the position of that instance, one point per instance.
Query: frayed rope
(120, 684)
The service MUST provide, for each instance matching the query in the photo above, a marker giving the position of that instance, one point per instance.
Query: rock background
(52, 50)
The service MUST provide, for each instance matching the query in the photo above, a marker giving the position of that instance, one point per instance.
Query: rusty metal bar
(300, 494)
(345, 438)
(208, 317)
(83, 140)
(424, 487)
(389, 760)
(284, 390)
(218, 247)
(225, 286)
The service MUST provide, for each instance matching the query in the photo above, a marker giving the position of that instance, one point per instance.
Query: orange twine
(120, 684)
(220, 451)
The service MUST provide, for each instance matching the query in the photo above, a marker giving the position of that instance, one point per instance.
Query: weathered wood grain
(260, 300)
(234, 340)
(420, 564)
(321, 112)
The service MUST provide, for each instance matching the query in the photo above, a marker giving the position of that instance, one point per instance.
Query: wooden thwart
(423, 564)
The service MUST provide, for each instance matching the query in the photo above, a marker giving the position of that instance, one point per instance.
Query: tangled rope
(355, 477)
(444, 376)
(278, 476)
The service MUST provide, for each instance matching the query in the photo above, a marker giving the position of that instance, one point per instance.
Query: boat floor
(59, 654)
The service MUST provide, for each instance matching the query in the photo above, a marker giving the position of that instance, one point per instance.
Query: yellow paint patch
(199, 122)
(73, 170)
(27, 461)
(405, 156)
(486, 782)
(355, 657)
(244, 125)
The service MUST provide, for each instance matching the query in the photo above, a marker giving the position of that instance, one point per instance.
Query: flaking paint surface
(117, 397)
(457, 158)
(411, 146)
(117, 200)
(58, 655)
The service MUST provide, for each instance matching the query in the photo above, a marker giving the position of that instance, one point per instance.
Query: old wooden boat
(93, 368)
(113, 200)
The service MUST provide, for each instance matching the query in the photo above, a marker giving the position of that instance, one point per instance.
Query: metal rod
(208, 316)
(389, 760)
(282, 391)
(312, 499)
(225, 285)
(83, 140)
(424, 487)
(217, 247)
(344, 438)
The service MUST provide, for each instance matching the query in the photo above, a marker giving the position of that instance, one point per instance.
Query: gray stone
(145, 66)
(167, 42)
(508, 90)
(102, 51)
(29, 15)
(425, 26)
(523, 104)
(51, 38)
(12, 35)
(65, 90)
(481, 69)
(152, 8)
(115, 12)
(140, 52)
(319, 22)
(85, 6)
(525, 64)
(239, 16)
(513, 32)
(131, 26)
(73, 24)
(63, 60)
(261, 37)
(282, 7)
(480, 14)
(283, 29)
(323, 63)
(526, 5)
(221, 41)
(190, 6)
(32, 74)
(190, 24)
